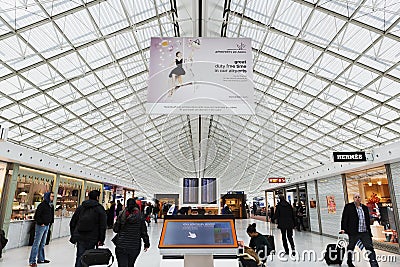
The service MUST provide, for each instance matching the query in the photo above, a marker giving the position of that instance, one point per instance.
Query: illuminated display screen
(190, 190)
(186, 233)
(208, 191)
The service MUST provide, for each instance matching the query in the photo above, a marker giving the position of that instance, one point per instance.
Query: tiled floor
(62, 253)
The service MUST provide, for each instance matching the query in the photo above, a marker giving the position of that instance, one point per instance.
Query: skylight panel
(19, 133)
(133, 65)
(384, 54)
(38, 141)
(70, 66)
(17, 88)
(43, 76)
(290, 76)
(100, 98)
(319, 108)
(291, 17)
(280, 91)
(110, 75)
(78, 28)
(277, 45)
(329, 66)
(53, 148)
(253, 31)
(39, 124)
(56, 133)
(93, 117)
(356, 78)
(358, 104)
(321, 29)
(145, 32)
(379, 14)
(266, 66)
(303, 56)
(123, 44)
(260, 10)
(17, 114)
(46, 39)
(21, 13)
(339, 117)
(96, 55)
(40, 103)
(395, 72)
(383, 89)
(19, 55)
(362, 143)
(109, 16)
(360, 125)
(299, 99)
(382, 115)
(60, 6)
(140, 10)
(88, 84)
(306, 118)
(66, 153)
(343, 8)
(80, 107)
(335, 95)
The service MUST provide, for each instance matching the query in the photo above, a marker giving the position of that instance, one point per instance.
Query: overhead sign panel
(349, 156)
(278, 180)
(200, 76)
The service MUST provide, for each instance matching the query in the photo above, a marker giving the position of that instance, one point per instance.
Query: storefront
(373, 187)
(30, 188)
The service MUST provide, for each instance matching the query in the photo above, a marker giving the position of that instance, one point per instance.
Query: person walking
(44, 217)
(356, 224)
(156, 210)
(299, 215)
(131, 230)
(111, 215)
(119, 208)
(286, 222)
(88, 225)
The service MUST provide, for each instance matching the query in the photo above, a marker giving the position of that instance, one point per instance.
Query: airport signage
(349, 156)
(278, 180)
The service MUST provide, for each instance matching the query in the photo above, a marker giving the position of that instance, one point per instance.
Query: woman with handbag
(131, 230)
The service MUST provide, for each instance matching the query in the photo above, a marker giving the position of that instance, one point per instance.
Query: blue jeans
(38, 244)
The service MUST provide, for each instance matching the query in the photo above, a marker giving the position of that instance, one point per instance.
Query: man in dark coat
(131, 230)
(286, 222)
(44, 217)
(88, 225)
(356, 223)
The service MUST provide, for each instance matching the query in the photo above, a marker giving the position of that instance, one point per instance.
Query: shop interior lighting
(370, 183)
(379, 182)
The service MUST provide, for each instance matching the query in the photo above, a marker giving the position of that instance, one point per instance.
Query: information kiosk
(199, 239)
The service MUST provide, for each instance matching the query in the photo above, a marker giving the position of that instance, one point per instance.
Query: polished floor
(61, 253)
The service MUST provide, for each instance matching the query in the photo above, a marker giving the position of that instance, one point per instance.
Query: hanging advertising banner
(200, 76)
(330, 200)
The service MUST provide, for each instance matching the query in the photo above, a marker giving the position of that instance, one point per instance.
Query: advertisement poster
(330, 200)
(200, 76)
(3, 169)
(313, 204)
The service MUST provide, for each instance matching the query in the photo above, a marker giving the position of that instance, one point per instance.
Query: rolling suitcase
(97, 256)
(271, 240)
(334, 253)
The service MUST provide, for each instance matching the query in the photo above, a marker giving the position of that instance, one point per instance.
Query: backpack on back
(87, 216)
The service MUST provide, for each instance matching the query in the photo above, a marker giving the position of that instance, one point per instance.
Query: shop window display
(372, 184)
(28, 195)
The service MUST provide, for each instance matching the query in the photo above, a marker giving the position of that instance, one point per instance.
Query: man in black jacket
(44, 217)
(286, 222)
(88, 225)
(356, 223)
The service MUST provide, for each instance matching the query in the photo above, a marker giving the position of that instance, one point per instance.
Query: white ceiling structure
(73, 83)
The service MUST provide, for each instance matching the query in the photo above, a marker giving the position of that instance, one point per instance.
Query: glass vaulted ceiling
(73, 77)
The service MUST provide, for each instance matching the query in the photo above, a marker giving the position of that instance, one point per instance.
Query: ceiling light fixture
(379, 182)
(370, 183)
